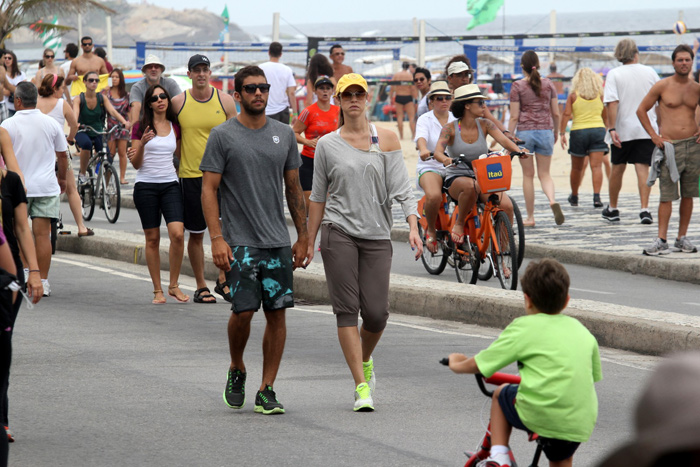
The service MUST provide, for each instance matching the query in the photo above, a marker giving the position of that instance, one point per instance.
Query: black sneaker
(597, 203)
(611, 215)
(645, 217)
(234, 394)
(266, 402)
(573, 200)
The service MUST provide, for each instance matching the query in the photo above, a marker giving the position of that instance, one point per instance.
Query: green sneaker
(234, 394)
(371, 379)
(363, 399)
(266, 402)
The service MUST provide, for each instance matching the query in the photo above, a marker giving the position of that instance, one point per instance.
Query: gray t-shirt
(361, 186)
(139, 89)
(252, 164)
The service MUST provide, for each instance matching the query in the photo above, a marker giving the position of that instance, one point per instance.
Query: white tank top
(157, 164)
(57, 113)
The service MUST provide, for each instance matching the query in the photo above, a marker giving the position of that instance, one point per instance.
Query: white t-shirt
(280, 77)
(629, 84)
(157, 164)
(36, 139)
(14, 81)
(428, 127)
(65, 66)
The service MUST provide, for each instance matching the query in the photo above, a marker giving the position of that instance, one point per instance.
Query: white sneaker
(363, 398)
(47, 287)
(82, 179)
(26, 275)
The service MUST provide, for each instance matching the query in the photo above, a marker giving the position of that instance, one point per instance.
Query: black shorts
(403, 100)
(154, 199)
(191, 189)
(261, 275)
(556, 450)
(282, 116)
(306, 173)
(637, 151)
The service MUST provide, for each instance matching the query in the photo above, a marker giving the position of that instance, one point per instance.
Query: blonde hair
(625, 50)
(587, 84)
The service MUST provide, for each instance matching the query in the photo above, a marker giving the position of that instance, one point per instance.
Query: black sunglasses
(480, 103)
(93, 80)
(352, 94)
(156, 97)
(49, 56)
(418, 80)
(251, 88)
(442, 98)
(85, 44)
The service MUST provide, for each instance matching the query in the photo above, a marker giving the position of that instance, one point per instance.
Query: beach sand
(560, 169)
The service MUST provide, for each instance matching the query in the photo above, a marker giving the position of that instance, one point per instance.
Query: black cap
(197, 60)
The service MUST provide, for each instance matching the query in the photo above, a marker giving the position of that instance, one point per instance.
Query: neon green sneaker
(266, 402)
(371, 379)
(234, 394)
(363, 399)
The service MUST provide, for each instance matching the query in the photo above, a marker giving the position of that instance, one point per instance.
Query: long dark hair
(121, 89)
(318, 66)
(14, 69)
(530, 64)
(147, 117)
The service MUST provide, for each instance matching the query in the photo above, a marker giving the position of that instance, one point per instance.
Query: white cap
(151, 60)
(457, 67)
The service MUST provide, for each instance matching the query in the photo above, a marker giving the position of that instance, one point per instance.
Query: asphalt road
(103, 378)
(604, 285)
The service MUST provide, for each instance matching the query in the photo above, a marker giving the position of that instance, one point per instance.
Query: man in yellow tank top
(199, 110)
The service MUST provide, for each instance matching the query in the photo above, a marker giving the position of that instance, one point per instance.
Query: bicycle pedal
(64, 232)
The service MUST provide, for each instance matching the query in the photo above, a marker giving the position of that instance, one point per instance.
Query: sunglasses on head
(93, 80)
(251, 88)
(418, 80)
(353, 94)
(442, 98)
(49, 56)
(156, 97)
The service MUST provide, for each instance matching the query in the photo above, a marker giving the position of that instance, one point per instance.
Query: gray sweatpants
(357, 274)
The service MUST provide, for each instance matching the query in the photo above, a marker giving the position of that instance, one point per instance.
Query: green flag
(224, 15)
(482, 11)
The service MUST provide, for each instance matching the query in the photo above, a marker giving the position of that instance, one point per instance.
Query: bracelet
(34, 270)
(215, 237)
(611, 130)
(506, 132)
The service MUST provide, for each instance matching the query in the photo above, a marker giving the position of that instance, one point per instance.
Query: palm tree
(15, 14)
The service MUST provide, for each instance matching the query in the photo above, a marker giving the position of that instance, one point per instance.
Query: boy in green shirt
(558, 362)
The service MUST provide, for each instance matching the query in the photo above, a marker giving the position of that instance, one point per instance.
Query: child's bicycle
(489, 235)
(485, 447)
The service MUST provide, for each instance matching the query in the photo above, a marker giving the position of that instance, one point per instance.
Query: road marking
(591, 291)
(691, 303)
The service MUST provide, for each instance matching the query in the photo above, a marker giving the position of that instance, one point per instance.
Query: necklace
(467, 139)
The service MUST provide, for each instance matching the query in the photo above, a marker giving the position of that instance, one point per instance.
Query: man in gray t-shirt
(249, 159)
(152, 70)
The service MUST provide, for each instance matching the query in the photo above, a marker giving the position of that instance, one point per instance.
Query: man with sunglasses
(282, 86)
(199, 110)
(152, 70)
(247, 159)
(88, 61)
(337, 57)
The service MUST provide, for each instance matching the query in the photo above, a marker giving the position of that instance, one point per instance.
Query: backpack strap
(101, 102)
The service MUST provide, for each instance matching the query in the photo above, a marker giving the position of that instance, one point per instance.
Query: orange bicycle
(489, 236)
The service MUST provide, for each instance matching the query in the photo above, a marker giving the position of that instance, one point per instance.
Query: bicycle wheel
(467, 261)
(111, 192)
(434, 263)
(87, 196)
(486, 270)
(503, 260)
(518, 232)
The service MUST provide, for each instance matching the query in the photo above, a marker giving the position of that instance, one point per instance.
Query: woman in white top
(358, 172)
(154, 140)
(431, 173)
(51, 103)
(49, 68)
(14, 77)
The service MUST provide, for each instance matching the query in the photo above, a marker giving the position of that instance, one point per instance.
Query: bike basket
(493, 173)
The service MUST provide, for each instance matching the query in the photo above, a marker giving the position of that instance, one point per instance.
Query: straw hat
(439, 88)
(468, 92)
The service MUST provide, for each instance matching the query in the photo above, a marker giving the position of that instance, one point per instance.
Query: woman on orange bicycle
(431, 172)
(467, 137)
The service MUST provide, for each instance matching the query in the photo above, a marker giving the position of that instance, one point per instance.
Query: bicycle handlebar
(496, 379)
(84, 128)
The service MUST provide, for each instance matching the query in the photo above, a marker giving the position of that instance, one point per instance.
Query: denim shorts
(538, 141)
(587, 140)
(154, 199)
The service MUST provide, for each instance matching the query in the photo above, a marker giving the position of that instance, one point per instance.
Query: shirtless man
(88, 61)
(555, 77)
(402, 96)
(678, 97)
(337, 56)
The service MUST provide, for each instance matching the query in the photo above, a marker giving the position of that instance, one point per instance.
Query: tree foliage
(15, 14)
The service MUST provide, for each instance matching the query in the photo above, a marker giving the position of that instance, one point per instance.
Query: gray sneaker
(683, 244)
(657, 248)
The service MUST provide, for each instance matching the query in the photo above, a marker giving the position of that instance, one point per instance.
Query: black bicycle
(102, 185)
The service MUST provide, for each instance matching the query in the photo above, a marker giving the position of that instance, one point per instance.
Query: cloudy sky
(304, 11)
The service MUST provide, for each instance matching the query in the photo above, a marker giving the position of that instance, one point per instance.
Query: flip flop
(558, 214)
(431, 241)
(200, 297)
(88, 233)
(457, 239)
(181, 300)
(160, 301)
(220, 290)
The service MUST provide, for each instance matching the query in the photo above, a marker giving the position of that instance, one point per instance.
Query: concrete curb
(625, 328)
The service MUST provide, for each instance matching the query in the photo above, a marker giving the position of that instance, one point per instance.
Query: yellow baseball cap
(349, 80)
